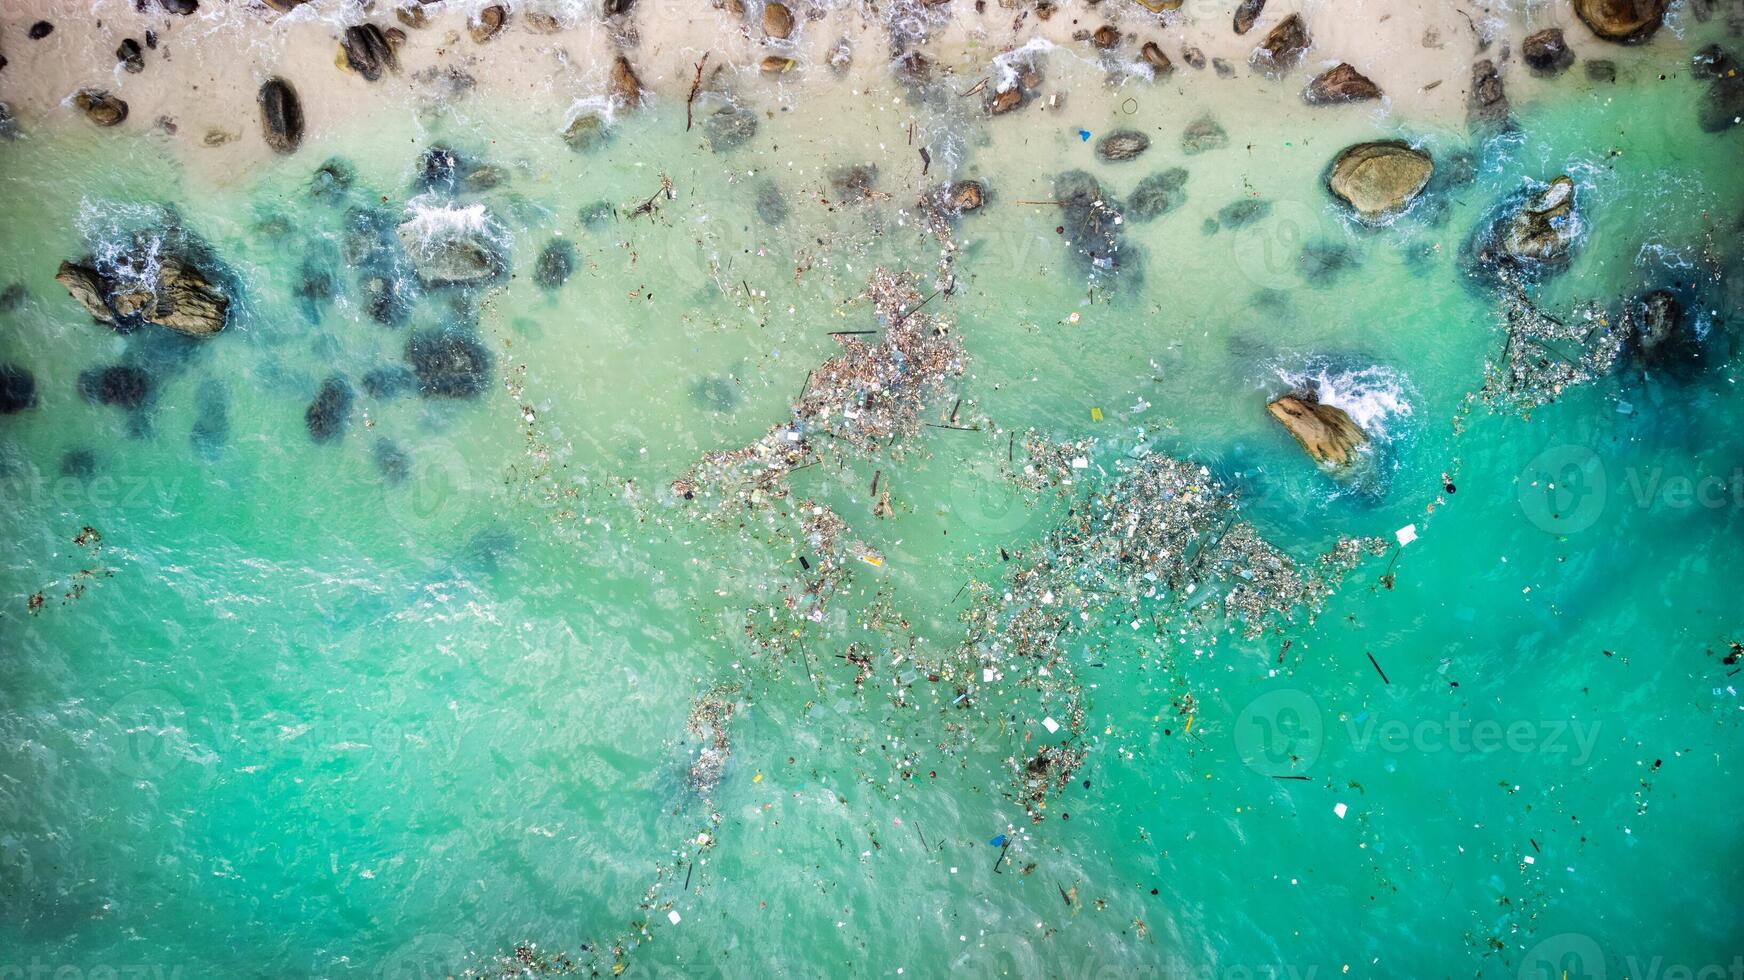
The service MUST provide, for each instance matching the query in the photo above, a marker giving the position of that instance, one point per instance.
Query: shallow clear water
(393, 703)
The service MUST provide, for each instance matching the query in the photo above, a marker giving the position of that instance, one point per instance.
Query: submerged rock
(170, 293)
(1544, 229)
(451, 251)
(17, 389)
(386, 300)
(439, 169)
(1322, 262)
(1106, 37)
(556, 264)
(332, 179)
(1488, 103)
(39, 30)
(770, 205)
(1244, 212)
(80, 464)
(1546, 52)
(587, 131)
(1203, 134)
(121, 386)
(1622, 21)
(1122, 144)
(211, 428)
(1381, 178)
(367, 51)
(1532, 233)
(716, 394)
(1246, 13)
(1325, 432)
(326, 416)
(1711, 62)
(729, 128)
(281, 115)
(1283, 48)
(964, 195)
(100, 107)
(1659, 331)
(389, 382)
(1157, 195)
(1338, 85)
(1090, 222)
(1723, 105)
(393, 463)
(449, 363)
(1194, 57)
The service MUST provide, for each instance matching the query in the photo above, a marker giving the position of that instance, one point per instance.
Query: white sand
(203, 77)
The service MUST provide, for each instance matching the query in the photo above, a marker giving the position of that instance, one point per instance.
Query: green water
(307, 719)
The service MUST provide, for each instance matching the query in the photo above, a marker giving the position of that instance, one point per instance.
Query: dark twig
(695, 87)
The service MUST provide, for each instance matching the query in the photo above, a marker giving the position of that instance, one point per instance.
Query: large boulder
(452, 249)
(1157, 195)
(170, 293)
(100, 107)
(1622, 21)
(1339, 85)
(1246, 13)
(448, 363)
(777, 20)
(1283, 48)
(622, 84)
(1546, 52)
(1488, 103)
(1544, 228)
(368, 52)
(1122, 144)
(281, 115)
(1326, 432)
(488, 23)
(1381, 178)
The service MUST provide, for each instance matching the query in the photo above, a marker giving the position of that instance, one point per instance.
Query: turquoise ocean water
(395, 703)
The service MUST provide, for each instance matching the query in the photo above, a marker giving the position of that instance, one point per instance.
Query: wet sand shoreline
(198, 86)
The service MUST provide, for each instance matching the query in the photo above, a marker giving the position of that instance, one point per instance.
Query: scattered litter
(1339, 808)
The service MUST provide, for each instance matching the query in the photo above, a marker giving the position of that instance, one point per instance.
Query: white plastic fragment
(673, 916)
(1051, 725)
(1406, 534)
(1339, 808)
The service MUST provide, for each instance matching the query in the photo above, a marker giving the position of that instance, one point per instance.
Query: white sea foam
(1374, 397)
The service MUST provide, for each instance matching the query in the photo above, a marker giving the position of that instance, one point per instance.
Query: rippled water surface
(331, 676)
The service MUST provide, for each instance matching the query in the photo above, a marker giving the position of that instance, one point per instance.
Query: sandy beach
(197, 88)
